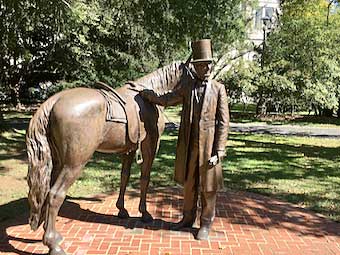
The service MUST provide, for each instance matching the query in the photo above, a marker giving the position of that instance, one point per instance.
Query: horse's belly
(115, 139)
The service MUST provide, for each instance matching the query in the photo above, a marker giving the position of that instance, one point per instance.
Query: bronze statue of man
(202, 138)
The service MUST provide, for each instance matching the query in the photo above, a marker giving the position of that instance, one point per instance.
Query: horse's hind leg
(127, 160)
(55, 199)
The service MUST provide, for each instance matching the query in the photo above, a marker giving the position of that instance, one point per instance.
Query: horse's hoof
(58, 238)
(56, 251)
(146, 217)
(52, 238)
(123, 214)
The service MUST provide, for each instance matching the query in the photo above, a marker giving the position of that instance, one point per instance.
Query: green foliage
(29, 31)
(300, 63)
(106, 43)
(306, 45)
(121, 40)
(111, 40)
(247, 80)
(240, 80)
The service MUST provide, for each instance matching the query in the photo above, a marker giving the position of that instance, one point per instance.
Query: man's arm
(221, 133)
(168, 99)
(222, 117)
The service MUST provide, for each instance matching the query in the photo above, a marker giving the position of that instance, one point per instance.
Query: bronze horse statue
(71, 125)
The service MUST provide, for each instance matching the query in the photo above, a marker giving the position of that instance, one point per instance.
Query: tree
(80, 41)
(29, 31)
(303, 50)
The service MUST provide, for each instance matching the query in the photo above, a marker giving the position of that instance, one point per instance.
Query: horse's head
(186, 75)
(168, 78)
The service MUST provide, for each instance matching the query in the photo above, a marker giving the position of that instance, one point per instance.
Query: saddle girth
(127, 114)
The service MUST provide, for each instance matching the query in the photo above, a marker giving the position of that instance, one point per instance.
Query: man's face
(203, 69)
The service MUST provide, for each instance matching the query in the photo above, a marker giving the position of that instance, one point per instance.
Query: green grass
(246, 114)
(173, 114)
(286, 119)
(244, 108)
(304, 171)
(102, 173)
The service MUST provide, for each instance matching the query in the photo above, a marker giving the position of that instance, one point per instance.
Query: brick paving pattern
(245, 223)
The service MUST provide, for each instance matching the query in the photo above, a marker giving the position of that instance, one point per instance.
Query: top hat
(201, 51)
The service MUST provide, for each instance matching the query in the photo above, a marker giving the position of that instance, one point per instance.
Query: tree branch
(226, 62)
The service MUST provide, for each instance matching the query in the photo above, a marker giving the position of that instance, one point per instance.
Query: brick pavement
(245, 223)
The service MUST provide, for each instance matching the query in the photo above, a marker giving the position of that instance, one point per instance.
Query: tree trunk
(244, 107)
(315, 109)
(261, 107)
(15, 95)
(292, 110)
(264, 108)
(327, 112)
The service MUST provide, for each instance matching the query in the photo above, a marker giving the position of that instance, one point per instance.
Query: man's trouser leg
(208, 207)
(191, 185)
(190, 190)
(208, 201)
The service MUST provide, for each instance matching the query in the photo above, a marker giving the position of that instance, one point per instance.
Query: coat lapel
(206, 97)
(192, 97)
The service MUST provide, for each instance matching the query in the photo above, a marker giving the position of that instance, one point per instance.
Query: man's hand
(214, 160)
(147, 94)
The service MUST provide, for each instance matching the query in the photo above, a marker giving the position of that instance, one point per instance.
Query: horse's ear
(187, 67)
(188, 61)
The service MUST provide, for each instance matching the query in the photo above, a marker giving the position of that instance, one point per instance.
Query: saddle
(127, 112)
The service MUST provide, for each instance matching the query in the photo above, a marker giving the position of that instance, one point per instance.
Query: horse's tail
(39, 161)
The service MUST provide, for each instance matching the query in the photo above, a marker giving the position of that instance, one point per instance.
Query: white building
(266, 10)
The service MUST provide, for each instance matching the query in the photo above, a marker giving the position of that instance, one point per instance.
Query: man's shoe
(203, 233)
(183, 223)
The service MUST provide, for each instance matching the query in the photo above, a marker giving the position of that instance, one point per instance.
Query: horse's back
(76, 102)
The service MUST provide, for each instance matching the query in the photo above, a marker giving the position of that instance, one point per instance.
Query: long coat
(213, 131)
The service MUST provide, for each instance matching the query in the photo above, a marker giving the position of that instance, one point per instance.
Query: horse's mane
(163, 79)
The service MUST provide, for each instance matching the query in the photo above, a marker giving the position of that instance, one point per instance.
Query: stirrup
(139, 156)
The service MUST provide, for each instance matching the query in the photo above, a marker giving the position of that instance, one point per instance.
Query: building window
(260, 14)
(258, 17)
(268, 11)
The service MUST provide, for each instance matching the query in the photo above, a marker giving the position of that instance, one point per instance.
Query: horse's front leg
(148, 152)
(127, 160)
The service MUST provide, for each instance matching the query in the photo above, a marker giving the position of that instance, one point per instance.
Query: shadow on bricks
(242, 219)
(5, 239)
